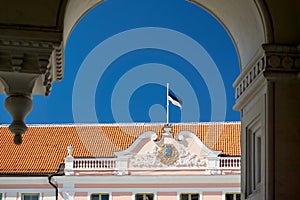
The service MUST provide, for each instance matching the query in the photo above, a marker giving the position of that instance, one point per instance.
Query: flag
(174, 100)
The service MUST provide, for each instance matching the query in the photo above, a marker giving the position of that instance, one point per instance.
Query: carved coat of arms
(168, 154)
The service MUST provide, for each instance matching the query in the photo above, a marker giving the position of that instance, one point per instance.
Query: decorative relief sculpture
(189, 160)
(146, 160)
(166, 156)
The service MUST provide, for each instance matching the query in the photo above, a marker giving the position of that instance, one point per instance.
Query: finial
(168, 125)
(70, 149)
(167, 129)
(18, 106)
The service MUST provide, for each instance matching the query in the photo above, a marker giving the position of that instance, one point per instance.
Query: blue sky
(120, 56)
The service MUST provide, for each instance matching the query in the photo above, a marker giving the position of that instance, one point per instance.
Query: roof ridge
(123, 124)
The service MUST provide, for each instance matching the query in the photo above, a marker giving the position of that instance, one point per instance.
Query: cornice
(274, 62)
(44, 58)
(10, 43)
(148, 179)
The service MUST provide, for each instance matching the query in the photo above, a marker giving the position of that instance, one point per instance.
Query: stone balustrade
(111, 163)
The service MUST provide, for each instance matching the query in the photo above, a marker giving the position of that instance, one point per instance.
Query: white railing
(111, 163)
(230, 162)
(94, 163)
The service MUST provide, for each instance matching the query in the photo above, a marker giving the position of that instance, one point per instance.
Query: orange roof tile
(44, 147)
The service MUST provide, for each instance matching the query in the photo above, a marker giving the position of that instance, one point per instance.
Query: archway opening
(152, 47)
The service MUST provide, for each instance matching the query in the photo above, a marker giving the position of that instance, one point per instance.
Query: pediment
(186, 151)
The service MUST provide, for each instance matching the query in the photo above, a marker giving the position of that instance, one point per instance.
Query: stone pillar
(122, 165)
(69, 160)
(213, 165)
(268, 97)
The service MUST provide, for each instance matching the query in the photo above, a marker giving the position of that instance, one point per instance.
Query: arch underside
(242, 20)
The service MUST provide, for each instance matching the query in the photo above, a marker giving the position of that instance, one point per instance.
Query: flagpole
(167, 103)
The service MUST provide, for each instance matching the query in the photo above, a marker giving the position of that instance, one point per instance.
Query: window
(233, 196)
(257, 159)
(30, 196)
(254, 156)
(144, 196)
(189, 196)
(100, 197)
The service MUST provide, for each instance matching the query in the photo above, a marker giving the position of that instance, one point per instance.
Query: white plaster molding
(183, 135)
(150, 135)
(273, 62)
(166, 179)
(154, 190)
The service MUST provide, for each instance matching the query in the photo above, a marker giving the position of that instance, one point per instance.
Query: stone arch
(247, 23)
(266, 34)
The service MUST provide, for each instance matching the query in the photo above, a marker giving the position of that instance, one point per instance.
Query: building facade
(266, 34)
(127, 162)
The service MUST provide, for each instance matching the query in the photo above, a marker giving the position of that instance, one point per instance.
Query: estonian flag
(174, 100)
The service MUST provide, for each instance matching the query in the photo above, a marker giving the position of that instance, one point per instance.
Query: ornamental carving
(165, 156)
(40, 58)
(190, 160)
(274, 58)
(146, 160)
(168, 154)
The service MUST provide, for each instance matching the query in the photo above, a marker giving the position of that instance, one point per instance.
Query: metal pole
(167, 103)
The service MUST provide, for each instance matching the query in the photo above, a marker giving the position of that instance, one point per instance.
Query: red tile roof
(44, 147)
